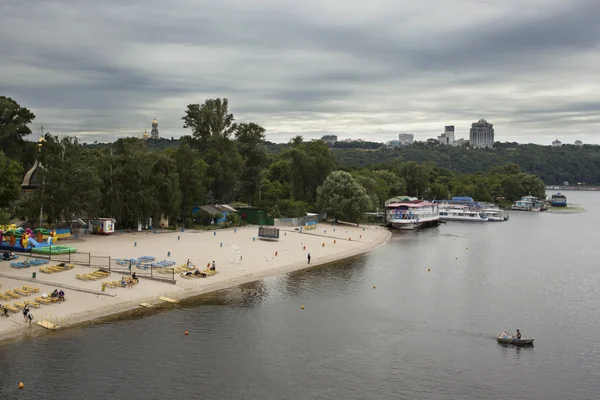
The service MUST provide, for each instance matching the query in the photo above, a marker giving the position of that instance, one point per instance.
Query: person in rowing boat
(504, 334)
(518, 335)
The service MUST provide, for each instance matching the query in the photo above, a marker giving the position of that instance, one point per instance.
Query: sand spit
(86, 301)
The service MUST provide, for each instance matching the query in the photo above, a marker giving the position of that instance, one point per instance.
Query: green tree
(250, 140)
(10, 180)
(191, 170)
(341, 197)
(14, 121)
(70, 184)
(310, 164)
(211, 119)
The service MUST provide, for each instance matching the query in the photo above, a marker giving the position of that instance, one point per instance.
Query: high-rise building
(481, 134)
(154, 131)
(406, 138)
(329, 139)
(447, 138)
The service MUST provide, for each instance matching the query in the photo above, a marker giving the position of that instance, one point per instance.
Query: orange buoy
(428, 269)
(275, 253)
(186, 332)
(374, 286)
(21, 386)
(303, 307)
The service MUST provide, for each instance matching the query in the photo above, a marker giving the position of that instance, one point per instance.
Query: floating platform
(168, 299)
(48, 325)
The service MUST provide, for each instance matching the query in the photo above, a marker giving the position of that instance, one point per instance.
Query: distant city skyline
(368, 69)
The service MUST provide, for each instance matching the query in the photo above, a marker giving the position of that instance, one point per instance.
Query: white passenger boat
(494, 214)
(412, 215)
(461, 213)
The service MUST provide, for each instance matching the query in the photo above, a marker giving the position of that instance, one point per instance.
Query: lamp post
(40, 144)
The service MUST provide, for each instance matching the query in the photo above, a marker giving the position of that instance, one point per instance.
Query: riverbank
(260, 259)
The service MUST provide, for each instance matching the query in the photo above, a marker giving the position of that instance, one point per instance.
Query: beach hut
(102, 226)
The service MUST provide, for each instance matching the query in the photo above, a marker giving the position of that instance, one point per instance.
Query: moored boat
(528, 203)
(516, 342)
(461, 213)
(495, 215)
(411, 215)
(558, 200)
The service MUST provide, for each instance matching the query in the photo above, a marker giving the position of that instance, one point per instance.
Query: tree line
(220, 161)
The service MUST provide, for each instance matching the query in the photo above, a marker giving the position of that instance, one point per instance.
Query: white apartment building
(481, 134)
(447, 138)
(406, 138)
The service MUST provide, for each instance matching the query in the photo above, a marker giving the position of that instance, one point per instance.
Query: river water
(419, 334)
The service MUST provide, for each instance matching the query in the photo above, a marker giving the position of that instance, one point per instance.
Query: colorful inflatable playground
(40, 240)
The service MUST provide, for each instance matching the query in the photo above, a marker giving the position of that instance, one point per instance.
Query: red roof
(411, 204)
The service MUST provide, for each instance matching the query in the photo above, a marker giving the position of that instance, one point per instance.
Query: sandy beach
(86, 301)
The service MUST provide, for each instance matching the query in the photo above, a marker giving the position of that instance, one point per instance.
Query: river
(426, 331)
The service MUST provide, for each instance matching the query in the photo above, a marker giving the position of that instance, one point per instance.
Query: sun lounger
(86, 277)
(47, 270)
(20, 306)
(4, 297)
(112, 284)
(183, 275)
(22, 291)
(31, 289)
(100, 273)
(45, 300)
(32, 304)
(11, 308)
(13, 295)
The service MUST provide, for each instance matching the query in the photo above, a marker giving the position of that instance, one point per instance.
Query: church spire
(154, 132)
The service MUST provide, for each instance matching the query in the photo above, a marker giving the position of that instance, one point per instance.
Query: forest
(223, 161)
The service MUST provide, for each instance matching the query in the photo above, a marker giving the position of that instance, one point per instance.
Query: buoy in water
(374, 286)
(275, 253)
(21, 386)
(428, 269)
(467, 248)
(302, 307)
(186, 332)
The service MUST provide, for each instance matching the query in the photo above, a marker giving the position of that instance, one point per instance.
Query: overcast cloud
(358, 69)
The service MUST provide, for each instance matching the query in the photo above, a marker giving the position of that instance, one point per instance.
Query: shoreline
(186, 289)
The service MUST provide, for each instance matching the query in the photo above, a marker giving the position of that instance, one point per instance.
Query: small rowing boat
(516, 342)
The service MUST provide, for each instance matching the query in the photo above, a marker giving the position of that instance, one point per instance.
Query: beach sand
(86, 301)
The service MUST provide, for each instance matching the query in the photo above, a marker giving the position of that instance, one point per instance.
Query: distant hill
(553, 165)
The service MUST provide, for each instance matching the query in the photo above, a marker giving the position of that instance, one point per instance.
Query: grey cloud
(358, 69)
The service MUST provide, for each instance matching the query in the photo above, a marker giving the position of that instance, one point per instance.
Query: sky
(358, 69)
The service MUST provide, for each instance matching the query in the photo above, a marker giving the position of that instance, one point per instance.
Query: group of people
(27, 315)
(506, 335)
(130, 281)
(196, 272)
(60, 295)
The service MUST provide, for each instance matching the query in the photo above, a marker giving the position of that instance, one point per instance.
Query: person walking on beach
(29, 317)
(308, 258)
(4, 311)
(25, 312)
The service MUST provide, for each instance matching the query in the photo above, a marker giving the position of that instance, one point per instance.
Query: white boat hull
(411, 224)
(463, 219)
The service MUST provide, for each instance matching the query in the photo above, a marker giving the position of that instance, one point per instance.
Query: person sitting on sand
(134, 277)
(123, 282)
(189, 273)
(213, 267)
(189, 264)
(61, 295)
(54, 294)
(200, 274)
(4, 311)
